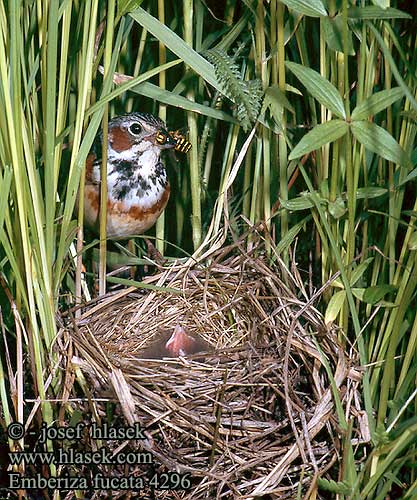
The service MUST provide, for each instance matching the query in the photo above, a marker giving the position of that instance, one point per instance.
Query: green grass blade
(376, 103)
(320, 135)
(379, 141)
(51, 169)
(152, 91)
(177, 45)
(387, 54)
(375, 12)
(312, 8)
(319, 87)
(5, 182)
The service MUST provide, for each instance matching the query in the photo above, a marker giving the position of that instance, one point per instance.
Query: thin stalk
(361, 155)
(282, 144)
(188, 12)
(228, 159)
(4, 395)
(64, 86)
(327, 60)
(246, 183)
(138, 62)
(111, 8)
(179, 207)
(274, 42)
(207, 143)
(392, 225)
(160, 224)
(262, 70)
(325, 114)
(350, 176)
(86, 60)
(406, 290)
(255, 201)
(51, 171)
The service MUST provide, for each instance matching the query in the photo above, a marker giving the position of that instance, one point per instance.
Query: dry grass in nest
(256, 416)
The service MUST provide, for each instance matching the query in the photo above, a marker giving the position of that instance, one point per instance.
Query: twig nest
(251, 413)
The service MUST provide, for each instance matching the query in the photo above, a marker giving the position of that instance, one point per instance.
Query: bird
(137, 183)
(175, 344)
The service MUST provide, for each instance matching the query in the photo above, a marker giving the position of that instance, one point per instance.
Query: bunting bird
(137, 183)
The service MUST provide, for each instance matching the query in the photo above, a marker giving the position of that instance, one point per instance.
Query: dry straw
(254, 416)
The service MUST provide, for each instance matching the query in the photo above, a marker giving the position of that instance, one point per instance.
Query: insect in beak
(182, 145)
(174, 138)
(164, 139)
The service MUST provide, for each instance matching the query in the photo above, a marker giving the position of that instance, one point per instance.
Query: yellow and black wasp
(182, 144)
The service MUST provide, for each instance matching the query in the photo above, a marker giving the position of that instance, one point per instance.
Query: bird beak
(180, 343)
(164, 140)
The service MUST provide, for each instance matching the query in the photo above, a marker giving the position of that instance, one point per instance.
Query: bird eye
(135, 129)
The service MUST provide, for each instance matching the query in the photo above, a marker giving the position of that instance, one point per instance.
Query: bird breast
(138, 191)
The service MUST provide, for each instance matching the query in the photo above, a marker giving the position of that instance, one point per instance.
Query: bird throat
(136, 178)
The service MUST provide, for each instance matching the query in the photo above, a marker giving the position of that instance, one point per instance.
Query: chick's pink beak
(180, 343)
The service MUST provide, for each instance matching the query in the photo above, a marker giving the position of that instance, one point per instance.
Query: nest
(255, 416)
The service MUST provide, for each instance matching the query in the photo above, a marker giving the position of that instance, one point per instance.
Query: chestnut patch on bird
(119, 140)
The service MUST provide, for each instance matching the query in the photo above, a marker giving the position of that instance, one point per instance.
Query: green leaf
(333, 34)
(312, 8)
(302, 202)
(337, 208)
(334, 306)
(412, 242)
(320, 88)
(177, 45)
(140, 284)
(154, 92)
(379, 141)
(357, 274)
(374, 12)
(290, 235)
(358, 271)
(319, 136)
(246, 94)
(376, 103)
(337, 283)
(234, 31)
(370, 192)
(414, 156)
(5, 182)
(358, 293)
(290, 88)
(381, 3)
(409, 115)
(276, 100)
(129, 84)
(410, 213)
(387, 51)
(409, 177)
(341, 487)
(374, 294)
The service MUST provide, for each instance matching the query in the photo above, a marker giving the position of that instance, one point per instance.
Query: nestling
(179, 343)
